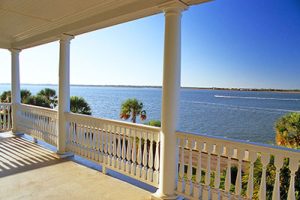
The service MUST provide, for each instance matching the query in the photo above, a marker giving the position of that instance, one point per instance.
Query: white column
(63, 91)
(15, 86)
(170, 101)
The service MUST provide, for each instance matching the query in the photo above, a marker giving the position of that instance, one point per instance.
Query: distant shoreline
(192, 88)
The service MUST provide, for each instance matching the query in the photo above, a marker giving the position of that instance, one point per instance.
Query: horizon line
(157, 86)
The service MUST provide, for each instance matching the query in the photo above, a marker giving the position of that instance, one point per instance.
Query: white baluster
(278, 162)
(145, 157)
(156, 161)
(46, 125)
(293, 166)
(110, 145)
(105, 149)
(119, 150)
(1, 119)
(78, 145)
(93, 141)
(114, 158)
(77, 138)
(181, 181)
(53, 135)
(198, 186)
(133, 156)
(96, 142)
(4, 119)
(139, 156)
(150, 159)
(265, 158)
(42, 124)
(123, 164)
(7, 116)
(107, 144)
(81, 138)
(189, 184)
(252, 159)
(216, 194)
(229, 154)
(86, 141)
(70, 138)
(104, 130)
(100, 143)
(206, 188)
(1, 116)
(128, 153)
(89, 140)
(238, 182)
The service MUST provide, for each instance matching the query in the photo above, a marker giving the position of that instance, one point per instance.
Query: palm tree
(50, 95)
(25, 94)
(132, 108)
(37, 101)
(288, 130)
(79, 105)
(47, 98)
(6, 96)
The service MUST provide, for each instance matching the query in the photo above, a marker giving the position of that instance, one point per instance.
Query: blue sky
(225, 43)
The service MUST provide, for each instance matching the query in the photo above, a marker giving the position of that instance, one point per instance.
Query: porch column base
(16, 133)
(158, 196)
(64, 155)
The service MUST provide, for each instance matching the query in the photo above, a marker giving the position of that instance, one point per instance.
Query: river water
(232, 114)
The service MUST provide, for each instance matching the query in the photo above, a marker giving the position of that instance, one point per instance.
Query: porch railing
(218, 168)
(208, 167)
(5, 117)
(130, 149)
(38, 122)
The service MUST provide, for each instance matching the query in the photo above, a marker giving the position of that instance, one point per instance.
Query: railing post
(15, 86)
(63, 91)
(170, 100)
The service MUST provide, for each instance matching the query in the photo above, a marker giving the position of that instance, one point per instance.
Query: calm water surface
(233, 114)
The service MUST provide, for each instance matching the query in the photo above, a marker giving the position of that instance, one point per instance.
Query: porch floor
(28, 171)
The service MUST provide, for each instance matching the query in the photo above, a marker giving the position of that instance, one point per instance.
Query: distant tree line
(249, 89)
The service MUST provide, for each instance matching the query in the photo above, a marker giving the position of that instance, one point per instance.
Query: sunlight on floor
(28, 171)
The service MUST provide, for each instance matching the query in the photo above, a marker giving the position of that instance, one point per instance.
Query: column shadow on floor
(18, 155)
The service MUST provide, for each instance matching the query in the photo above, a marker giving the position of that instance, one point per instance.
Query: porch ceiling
(27, 23)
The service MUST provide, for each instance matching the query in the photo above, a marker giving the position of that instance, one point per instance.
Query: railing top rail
(234, 143)
(116, 122)
(6, 104)
(26, 106)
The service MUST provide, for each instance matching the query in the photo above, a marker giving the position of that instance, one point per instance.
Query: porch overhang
(25, 24)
